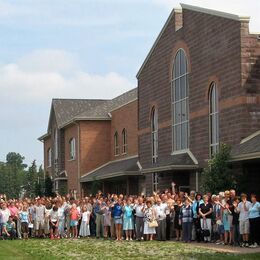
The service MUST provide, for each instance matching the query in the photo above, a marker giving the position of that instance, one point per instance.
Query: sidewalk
(228, 249)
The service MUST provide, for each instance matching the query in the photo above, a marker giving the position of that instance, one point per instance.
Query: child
(9, 231)
(226, 223)
(24, 217)
(84, 227)
(74, 217)
(54, 222)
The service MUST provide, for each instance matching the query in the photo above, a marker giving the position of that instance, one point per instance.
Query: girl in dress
(84, 227)
(225, 219)
(149, 216)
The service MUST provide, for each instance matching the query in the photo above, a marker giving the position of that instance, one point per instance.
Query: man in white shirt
(4, 216)
(39, 218)
(161, 209)
(139, 220)
(243, 209)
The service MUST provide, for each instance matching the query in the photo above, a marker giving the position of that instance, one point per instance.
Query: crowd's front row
(224, 218)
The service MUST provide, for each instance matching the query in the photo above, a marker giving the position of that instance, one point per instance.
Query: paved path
(228, 249)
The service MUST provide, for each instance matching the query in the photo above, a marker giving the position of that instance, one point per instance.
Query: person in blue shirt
(24, 217)
(117, 213)
(254, 221)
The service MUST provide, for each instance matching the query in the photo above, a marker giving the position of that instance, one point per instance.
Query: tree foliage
(16, 180)
(218, 175)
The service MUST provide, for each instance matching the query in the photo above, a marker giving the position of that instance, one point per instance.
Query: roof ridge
(124, 93)
(81, 99)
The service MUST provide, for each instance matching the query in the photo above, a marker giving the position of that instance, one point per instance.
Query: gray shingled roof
(113, 169)
(102, 110)
(177, 161)
(67, 110)
(248, 147)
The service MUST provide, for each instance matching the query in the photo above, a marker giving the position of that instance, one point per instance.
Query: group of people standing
(223, 218)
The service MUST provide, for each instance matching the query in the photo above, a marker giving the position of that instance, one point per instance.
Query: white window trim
(154, 134)
(155, 177)
(173, 103)
(124, 142)
(116, 145)
(49, 158)
(72, 149)
(215, 114)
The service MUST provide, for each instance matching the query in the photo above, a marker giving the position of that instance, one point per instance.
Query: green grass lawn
(100, 249)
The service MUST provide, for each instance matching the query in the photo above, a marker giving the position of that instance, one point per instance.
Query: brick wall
(213, 48)
(47, 144)
(71, 166)
(94, 144)
(125, 117)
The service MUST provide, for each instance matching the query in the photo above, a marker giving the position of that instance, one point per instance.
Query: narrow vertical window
(124, 141)
(116, 144)
(180, 102)
(72, 145)
(49, 157)
(56, 144)
(213, 119)
(154, 133)
(155, 181)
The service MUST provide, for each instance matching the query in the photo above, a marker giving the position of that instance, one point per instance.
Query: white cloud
(239, 7)
(44, 74)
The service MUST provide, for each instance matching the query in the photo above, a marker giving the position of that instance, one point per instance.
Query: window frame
(180, 122)
(154, 134)
(72, 149)
(155, 181)
(124, 141)
(116, 145)
(56, 149)
(49, 157)
(213, 115)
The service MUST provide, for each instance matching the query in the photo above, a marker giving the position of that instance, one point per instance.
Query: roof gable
(191, 8)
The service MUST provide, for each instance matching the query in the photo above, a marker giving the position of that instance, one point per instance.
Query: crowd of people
(222, 218)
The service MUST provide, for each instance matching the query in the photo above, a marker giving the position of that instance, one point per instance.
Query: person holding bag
(205, 211)
(149, 220)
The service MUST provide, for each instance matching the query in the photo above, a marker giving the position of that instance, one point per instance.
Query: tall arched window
(180, 102)
(213, 119)
(72, 145)
(116, 144)
(49, 157)
(124, 141)
(154, 133)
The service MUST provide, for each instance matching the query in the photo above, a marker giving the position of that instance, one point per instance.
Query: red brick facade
(218, 49)
(94, 141)
(125, 118)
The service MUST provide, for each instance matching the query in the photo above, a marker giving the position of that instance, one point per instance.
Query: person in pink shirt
(74, 217)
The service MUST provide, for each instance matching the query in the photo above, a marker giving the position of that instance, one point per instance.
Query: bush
(218, 175)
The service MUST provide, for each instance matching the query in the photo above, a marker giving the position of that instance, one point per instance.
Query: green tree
(218, 175)
(48, 186)
(39, 184)
(30, 180)
(14, 170)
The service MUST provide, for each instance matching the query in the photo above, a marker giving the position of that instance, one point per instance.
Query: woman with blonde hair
(149, 216)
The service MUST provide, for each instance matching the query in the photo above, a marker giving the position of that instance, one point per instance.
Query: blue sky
(76, 49)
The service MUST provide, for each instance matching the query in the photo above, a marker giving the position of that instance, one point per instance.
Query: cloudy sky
(76, 49)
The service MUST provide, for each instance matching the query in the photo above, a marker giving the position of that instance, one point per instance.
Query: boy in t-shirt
(9, 231)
